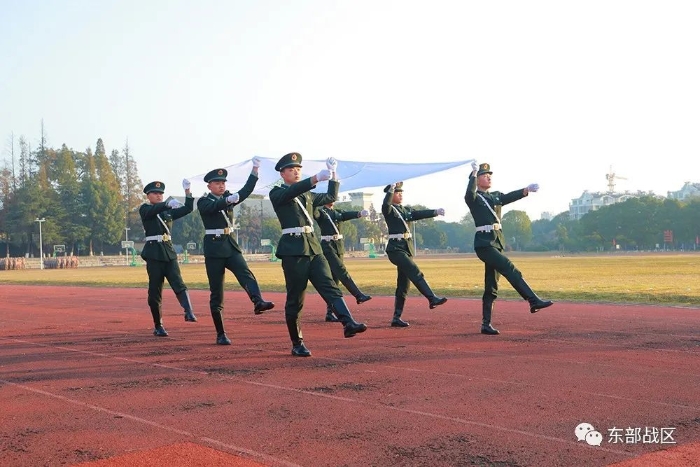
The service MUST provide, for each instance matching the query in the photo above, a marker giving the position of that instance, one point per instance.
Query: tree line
(90, 202)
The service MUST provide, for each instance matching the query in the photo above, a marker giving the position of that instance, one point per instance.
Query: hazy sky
(553, 92)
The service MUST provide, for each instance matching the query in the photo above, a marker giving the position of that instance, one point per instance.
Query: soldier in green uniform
(489, 242)
(299, 249)
(400, 250)
(221, 251)
(328, 220)
(161, 260)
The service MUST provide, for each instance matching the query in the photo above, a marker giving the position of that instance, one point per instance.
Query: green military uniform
(221, 251)
(489, 243)
(328, 219)
(160, 257)
(301, 253)
(400, 251)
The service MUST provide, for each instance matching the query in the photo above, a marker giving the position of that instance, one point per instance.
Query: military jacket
(216, 213)
(291, 215)
(328, 221)
(483, 216)
(161, 251)
(397, 222)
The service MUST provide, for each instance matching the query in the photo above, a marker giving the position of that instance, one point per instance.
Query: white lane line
(392, 367)
(344, 399)
(231, 447)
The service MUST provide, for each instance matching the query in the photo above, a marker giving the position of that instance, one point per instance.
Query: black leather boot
(184, 299)
(487, 310)
(261, 305)
(355, 291)
(350, 326)
(221, 338)
(330, 316)
(427, 292)
(160, 331)
(298, 347)
(157, 320)
(397, 322)
(300, 350)
(536, 303)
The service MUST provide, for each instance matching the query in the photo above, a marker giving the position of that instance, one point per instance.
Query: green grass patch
(665, 279)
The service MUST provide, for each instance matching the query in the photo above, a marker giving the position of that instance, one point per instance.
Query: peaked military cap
(293, 159)
(216, 175)
(399, 187)
(484, 168)
(154, 187)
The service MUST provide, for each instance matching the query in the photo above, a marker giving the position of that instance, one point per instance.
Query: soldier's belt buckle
(166, 237)
(227, 231)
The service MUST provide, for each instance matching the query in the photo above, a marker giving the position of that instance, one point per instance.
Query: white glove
(256, 162)
(173, 203)
(232, 198)
(364, 213)
(475, 166)
(186, 184)
(323, 175)
(393, 186)
(440, 211)
(533, 187)
(332, 164)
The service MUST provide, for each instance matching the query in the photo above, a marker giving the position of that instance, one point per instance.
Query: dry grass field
(669, 279)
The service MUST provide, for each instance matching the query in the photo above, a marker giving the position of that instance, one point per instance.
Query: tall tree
(518, 228)
(133, 194)
(69, 209)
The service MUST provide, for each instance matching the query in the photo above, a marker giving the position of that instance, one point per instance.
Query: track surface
(84, 382)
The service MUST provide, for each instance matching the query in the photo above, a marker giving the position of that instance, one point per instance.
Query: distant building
(358, 199)
(689, 190)
(589, 201)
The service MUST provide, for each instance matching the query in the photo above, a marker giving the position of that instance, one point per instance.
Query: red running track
(84, 382)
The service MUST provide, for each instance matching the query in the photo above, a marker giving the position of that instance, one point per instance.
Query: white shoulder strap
(400, 217)
(228, 221)
(490, 208)
(306, 213)
(167, 230)
(332, 223)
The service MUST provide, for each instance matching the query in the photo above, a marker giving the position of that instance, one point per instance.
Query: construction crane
(611, 176)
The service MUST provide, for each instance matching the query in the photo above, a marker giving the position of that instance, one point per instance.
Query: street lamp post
(126, 249)
(41, 243)
(415, 245)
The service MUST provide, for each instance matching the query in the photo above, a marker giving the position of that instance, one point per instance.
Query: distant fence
(71, 262)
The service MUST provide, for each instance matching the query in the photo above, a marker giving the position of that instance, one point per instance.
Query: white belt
(488, 228)
(225, 231)
(298, 230)
(329, 238)
(158, 238)
(399, 236)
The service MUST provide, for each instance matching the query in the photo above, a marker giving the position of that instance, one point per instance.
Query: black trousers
(158, 271)
(407, 271)
(338, 270)
(216, 272)
(496, 264)
(298, 271)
